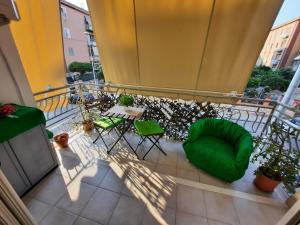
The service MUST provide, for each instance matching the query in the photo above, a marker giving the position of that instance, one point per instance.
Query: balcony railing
(186, 106)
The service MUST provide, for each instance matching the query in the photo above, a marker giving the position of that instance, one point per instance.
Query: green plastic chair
(108, 124)
(220, 147)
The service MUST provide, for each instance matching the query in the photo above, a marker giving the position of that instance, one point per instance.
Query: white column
(290, 91)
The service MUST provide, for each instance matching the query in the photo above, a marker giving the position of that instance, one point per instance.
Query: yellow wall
(39, 42)
(208, 45)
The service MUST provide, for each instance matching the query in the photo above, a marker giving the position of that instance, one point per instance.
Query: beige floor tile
(214, 222)
(208, 179)
(93, 174)
(153, 156)
(189, 219)
(190, 200)
(220, 207)
(166, 169)
(101, 206)
(183, 163)
(112, 182)
(76, 197)
(38, 209)
(129, 211)
(249, 212)
(170, 159)
(162, 191)
(83, 221)
(50, 190)
(57, 216)
(188, 174)
(273, 213)
(162, 217)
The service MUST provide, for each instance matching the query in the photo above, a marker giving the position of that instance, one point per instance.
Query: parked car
(74, 98)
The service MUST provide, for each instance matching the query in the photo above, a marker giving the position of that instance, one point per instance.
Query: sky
(289, 10)
(79, 3)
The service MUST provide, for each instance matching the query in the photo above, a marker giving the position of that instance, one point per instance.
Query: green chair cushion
(148, 128)
(220, 147)
(105, 122)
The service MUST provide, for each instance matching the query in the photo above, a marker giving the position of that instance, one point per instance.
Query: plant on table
(279, 161)
(126, 100)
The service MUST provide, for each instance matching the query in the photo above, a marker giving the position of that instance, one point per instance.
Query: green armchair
(219, 147)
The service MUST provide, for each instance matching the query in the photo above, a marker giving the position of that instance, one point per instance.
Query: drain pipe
(289, 92)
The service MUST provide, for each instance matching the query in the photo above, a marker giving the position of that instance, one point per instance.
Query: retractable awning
(209, 45)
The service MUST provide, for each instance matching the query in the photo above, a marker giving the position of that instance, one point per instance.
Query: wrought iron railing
(186, 106)
(57, 104)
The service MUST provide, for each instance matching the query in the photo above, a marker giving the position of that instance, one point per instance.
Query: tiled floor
(92, 188)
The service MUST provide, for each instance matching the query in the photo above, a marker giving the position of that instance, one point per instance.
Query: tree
(275, 82)
(274, 79)
(80, 67)
(287, 74)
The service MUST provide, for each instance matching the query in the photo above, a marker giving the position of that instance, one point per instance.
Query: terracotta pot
(87, 125)
(62, 140)
(265, 184)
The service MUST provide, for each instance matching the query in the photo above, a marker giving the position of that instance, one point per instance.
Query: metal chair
(151, 130)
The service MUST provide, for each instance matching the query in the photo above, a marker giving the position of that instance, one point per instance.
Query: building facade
(282, 47)
(78, 37)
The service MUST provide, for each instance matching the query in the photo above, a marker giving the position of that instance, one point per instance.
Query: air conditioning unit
(8, 11)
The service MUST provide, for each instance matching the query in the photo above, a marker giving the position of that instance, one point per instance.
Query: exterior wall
(74, 21)
(295, 51)
(281, 46)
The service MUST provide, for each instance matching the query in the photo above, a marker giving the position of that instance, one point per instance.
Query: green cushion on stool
(148, 128)
(107, 123)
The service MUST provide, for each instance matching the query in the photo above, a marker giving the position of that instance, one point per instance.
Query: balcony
(179, 45)
(160, 189)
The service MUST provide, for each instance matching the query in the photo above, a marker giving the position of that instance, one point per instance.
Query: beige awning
(38, 39)
(209, 45)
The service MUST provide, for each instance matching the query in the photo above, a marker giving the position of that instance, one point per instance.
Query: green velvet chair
(219, 147)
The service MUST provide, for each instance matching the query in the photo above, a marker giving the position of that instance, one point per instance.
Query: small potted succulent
(278, 161)
(126, 100)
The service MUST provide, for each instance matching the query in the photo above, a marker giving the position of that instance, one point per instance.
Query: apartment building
(282, 47)
(78, 36)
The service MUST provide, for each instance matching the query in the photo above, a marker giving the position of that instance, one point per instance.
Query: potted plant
(62, 140)
(126, 100)
(87, 122)
(279, 161)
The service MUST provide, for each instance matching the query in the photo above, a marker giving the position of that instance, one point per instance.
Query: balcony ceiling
(208, 45)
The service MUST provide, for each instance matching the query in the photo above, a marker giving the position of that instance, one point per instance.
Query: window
(63, 12)
(71, 51)
(283, 43)
(67, 33)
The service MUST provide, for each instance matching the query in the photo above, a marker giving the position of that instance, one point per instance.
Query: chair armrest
(245, 149)
(195, 131)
